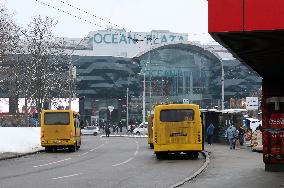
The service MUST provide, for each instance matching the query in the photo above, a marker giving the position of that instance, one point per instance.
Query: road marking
(83, 154)
(131, 158)
(52, 163)
(91, 150)
(68, 176)
(137, 148)
(97, 147)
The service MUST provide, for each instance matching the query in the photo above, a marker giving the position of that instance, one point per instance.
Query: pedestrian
(237, 145)
(241, 135)
(116, 129)
(107, 130)
(210, 133)
(120, 126)
(231, 135)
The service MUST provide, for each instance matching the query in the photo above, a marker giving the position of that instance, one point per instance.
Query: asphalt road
(100, 162)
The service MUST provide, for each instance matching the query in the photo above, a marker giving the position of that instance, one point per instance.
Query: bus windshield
(176, 115)
(57, 118)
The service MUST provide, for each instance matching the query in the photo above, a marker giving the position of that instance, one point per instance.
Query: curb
(128, 136)
(206, 155)
(17, 155)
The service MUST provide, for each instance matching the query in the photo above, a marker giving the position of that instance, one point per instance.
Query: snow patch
(20, 139)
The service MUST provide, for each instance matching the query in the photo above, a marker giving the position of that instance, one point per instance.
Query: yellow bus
(177, 128)
(150, 131)
(60, 129)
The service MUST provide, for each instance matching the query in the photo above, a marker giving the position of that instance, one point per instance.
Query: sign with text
(119, 43)
(251, 103)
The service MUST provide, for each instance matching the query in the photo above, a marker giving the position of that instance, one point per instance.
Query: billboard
(4, 105)
(251, 103)
(119, 43)
(63, 103)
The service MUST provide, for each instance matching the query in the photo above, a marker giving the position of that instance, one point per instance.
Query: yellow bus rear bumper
(46, 143)
(177, 147)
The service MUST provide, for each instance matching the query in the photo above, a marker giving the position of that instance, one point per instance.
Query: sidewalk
(236, 168)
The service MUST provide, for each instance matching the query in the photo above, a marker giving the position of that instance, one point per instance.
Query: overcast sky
(180, 16)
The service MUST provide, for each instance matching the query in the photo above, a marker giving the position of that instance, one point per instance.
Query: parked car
(141, 130)
(90, 130)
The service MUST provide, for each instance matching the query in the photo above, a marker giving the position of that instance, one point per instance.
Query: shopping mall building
(173, 68)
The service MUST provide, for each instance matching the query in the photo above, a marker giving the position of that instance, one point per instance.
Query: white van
(254, 123)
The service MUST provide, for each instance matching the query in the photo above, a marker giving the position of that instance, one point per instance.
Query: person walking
(210, 133)
(231, 134)
(241, 135)
(107, 130)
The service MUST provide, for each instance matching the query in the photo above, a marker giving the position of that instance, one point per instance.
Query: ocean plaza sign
(119, 43)
(130, 38)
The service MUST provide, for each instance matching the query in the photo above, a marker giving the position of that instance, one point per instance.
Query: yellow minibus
(60, 129)
(177, 129)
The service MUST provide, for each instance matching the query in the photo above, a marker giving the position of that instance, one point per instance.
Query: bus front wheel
(192, 155)
(160, 155)
(73, 148)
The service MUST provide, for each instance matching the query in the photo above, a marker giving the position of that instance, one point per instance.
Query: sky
(179, 16)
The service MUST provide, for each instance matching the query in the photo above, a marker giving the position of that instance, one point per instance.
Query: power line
(65, 12)
(82, 19)
(102, 19)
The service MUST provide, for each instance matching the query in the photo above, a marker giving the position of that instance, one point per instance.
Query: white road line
(97, 147)
(52, 163)
(83, 154)
(68, 176)
(130, 159)
(137, 148)
(91, 150)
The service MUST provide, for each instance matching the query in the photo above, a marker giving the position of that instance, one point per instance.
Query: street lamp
(143, 97)
(144, 93)
(72, 78)
(222, 82)
(127, 121)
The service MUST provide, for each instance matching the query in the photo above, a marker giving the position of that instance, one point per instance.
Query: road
(100, 162)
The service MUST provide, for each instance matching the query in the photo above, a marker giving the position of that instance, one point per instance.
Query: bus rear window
(57, 118)
(175, 115)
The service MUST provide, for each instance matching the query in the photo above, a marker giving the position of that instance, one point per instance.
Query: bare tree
(10, 38)
(47, 70)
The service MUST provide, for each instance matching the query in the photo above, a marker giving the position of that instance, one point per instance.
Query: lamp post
(127, 120)
(222, 82)
(144, 93)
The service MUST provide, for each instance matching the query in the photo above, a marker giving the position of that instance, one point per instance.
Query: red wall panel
(225, 15)
(263, 14)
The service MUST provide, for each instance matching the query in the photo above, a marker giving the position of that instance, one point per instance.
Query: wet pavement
(236, 168)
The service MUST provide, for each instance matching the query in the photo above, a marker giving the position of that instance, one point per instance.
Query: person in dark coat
(210, 133)
(120, 126)
(107, 130)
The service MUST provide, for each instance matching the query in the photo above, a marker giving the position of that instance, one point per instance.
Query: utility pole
(222, 82)
(127, 120)
(144, 93)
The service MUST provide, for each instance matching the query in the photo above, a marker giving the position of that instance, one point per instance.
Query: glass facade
(177, 72)
(172, 73)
